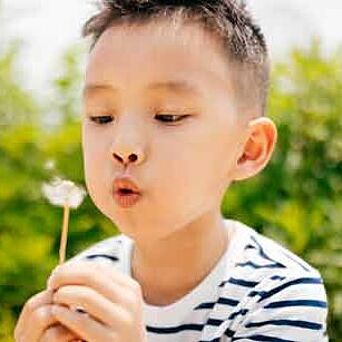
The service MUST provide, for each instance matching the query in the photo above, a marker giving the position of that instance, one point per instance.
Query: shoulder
(263, 253)
(108, 250)
(284, 297)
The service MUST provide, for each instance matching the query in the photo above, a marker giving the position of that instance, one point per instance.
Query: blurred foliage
(32, 153)
(296, 200)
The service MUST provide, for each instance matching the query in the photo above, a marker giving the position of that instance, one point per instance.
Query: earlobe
(257, 149)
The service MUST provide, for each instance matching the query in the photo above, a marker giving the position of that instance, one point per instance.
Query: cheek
(93, 153)
(94, 159)
(206, 161)
(190, 165)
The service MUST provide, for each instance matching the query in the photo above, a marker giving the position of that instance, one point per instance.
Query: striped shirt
(257, 291)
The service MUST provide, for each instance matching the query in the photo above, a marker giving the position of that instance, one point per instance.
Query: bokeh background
(296, 200)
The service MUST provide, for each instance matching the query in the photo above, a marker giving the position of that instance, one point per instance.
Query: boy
(174, 112)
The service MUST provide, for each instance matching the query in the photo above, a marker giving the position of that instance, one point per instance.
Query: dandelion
(66, 194)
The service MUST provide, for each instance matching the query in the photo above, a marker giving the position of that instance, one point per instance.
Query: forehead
(157, 57)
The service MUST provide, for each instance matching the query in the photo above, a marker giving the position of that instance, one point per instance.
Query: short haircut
(229, 20)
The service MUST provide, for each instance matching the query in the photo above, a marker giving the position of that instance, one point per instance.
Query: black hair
(229, 20)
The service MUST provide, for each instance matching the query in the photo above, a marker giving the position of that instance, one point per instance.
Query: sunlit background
(42, 61)
(47, 27)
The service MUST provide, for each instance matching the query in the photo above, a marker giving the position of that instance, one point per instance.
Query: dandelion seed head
(61, 192)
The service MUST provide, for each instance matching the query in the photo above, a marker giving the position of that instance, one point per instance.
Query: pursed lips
(125, 184)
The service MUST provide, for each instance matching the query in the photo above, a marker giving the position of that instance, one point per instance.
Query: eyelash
(97, 119)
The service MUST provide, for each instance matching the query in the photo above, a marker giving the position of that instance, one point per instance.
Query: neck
(169, 268)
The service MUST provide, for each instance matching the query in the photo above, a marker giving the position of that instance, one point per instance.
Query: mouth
(126, 199)
(125, 184)
(126, 192)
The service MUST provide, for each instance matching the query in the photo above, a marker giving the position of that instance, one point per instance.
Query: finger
(58, 333)
(103, 310)
(83, 325)
(91, 267)
(36, 301)
(115, 292)
(36, 324)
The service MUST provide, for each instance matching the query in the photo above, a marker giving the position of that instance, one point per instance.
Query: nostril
(133, 157)
(117, 157)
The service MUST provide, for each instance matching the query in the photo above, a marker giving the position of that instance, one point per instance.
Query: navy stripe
(217, 322)
(111, 257)
(208, 305)
(229, 333)
(287, 322)
(214, 322)
(253, 265)
(249, 246)
(174, 330)
(298, 302)
(228, 301)
(288, 284)
(264, 338)
(241, 312)
(266, 294)
(277, 277)
(257, 293)
(242, 282)
(262, 252)
(296, 261)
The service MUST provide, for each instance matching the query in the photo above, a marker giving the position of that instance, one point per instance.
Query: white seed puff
(66, 194)
(62, 193)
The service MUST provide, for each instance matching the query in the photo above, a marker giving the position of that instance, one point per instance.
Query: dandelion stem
(64, 235)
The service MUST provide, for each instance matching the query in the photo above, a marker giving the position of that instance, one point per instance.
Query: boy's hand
(37, 324)
(113, 302)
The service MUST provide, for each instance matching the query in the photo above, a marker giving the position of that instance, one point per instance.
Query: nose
(127, 156)
(122, 159)
(127, 146)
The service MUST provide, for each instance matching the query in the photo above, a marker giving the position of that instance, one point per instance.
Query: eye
(171, 118)
(168, 118)
(101, 120)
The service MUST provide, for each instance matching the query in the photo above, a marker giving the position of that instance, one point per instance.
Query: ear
(257, 149)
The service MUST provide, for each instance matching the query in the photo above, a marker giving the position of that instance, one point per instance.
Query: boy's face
(183, 168)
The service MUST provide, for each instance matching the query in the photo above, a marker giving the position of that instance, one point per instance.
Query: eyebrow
(180, 87)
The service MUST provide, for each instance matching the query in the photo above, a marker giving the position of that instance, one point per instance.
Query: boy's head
(181, 87)
(227, 21)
